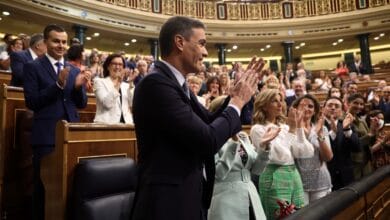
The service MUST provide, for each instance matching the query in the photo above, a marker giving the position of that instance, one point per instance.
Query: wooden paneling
(75, 141)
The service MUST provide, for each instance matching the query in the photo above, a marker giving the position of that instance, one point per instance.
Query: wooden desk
(12, 152)
(74, 142)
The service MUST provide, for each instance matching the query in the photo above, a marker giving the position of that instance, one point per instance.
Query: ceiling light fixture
(376, 38)
(6, 13)
(234, 47)
(268, 46)
(88, 38)
(96, 34)
(334, 43)
(302, 44)
(297, 47)
(340, 40)
(382, 35)
(229, 50)
(133, 40)
(127, 44)
(262, 49)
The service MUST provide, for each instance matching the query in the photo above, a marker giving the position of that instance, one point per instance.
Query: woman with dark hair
(335, 92)
(114, 97)
(95, 66)
(214, 89)
(342, 69)
(367, 136)
(285, 142)
(314, 173)
(337, 82)
(381, 148)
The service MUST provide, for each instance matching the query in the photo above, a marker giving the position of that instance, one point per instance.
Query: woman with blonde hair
(285, 142)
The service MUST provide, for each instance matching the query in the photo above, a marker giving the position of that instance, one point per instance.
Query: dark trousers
(38, 200)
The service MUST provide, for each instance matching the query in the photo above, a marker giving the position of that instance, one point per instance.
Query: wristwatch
(321, 138)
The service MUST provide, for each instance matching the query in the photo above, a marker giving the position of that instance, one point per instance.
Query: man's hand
(83, 78)
(348, 120)
(63, 76)
(246, 85)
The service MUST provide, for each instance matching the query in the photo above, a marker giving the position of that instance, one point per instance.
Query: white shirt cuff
(332, 135)
(235, 108)
(348, 133)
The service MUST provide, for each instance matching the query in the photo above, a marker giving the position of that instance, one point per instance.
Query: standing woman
(314, 172)
(114, 97)
(286, 142)
(235, 196)
(95, 66)
(367, 136)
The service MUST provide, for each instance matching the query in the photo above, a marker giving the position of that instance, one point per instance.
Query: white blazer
(108, 105)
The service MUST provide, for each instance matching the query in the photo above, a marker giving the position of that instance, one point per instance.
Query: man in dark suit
(343, 141)
(357, 66)
(53, 90)
(299, 90)
(177, 138)
(18, 59)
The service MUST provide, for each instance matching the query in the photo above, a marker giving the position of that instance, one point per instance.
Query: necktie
(58, 65)
(186, 90)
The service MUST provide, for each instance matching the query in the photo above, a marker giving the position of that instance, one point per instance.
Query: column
(288, 53)
(154, 48)
(365, 52)
(221, 53)
(80, 32)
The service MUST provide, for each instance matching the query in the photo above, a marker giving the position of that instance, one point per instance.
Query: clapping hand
(270, 134)
(63, 76)
(319, 125)
(246, 85)
(83, 78)
(348, 120)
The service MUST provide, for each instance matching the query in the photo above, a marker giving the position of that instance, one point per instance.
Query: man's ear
(179, 42)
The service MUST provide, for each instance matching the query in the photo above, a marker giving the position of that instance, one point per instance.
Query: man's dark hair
(52, 27)
(107, 62)
(75, 52)
(352, 97)
(333, 97)
(351, 83)
(35, 38)
(176, 25)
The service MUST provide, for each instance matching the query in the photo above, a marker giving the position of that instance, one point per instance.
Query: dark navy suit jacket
(50, 103)
(176, 136)
(18, 59)
(341, 167)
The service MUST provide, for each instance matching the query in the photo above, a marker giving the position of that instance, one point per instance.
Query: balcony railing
(241, 10)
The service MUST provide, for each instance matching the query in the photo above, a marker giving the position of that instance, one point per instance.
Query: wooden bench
(74, 142)
(5, 77)
(14, 154)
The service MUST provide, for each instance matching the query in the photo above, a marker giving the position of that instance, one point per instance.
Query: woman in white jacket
(286, 142)
(114, 97)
